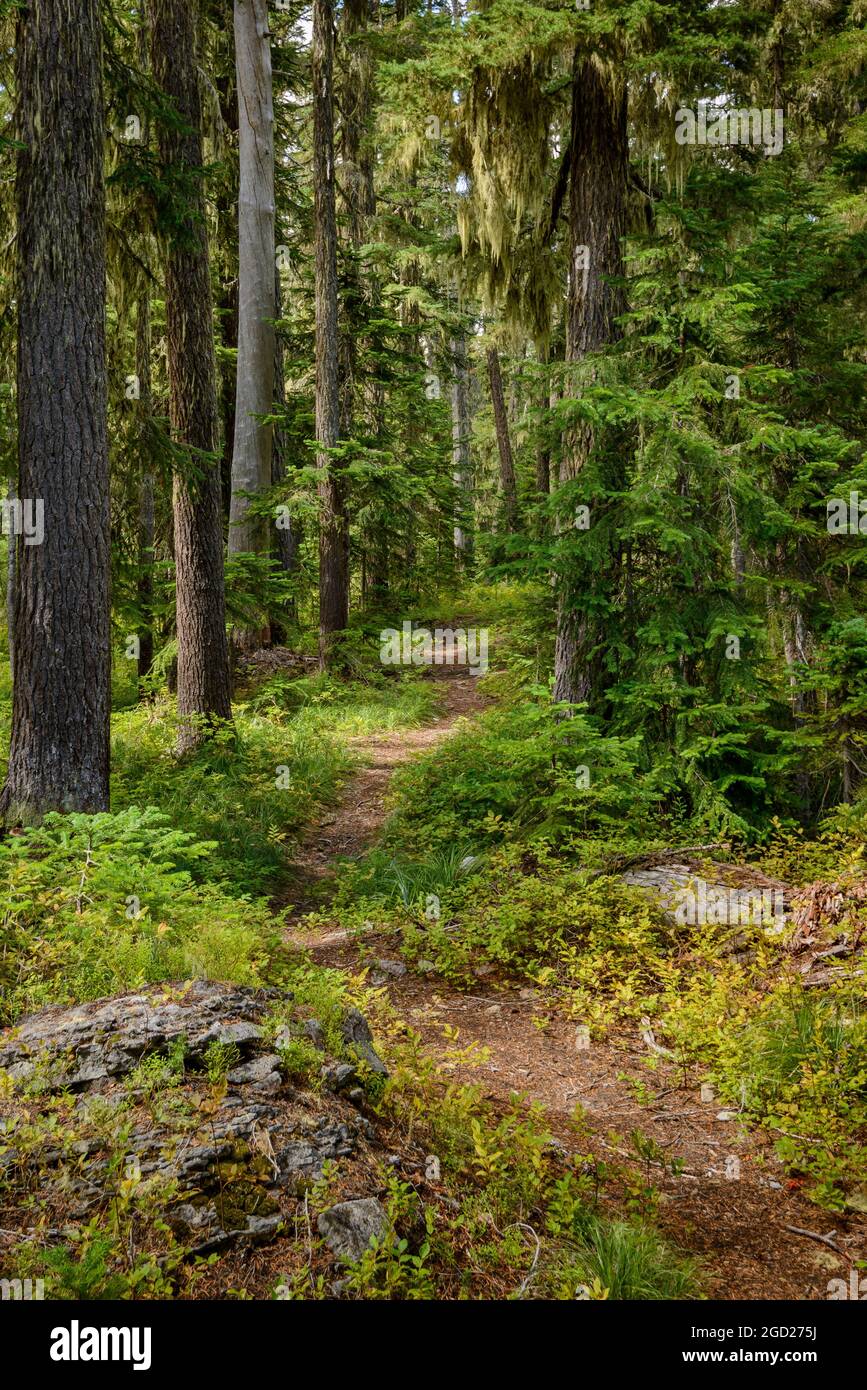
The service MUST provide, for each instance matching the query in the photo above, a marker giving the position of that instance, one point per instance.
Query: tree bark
(145, 585)
(203, 667)
(461, 466)
(333, 530)
(543, 449)
(59, 754)
(288, 537)
(597, 224)
(144, 414)
(11, 580)
(504, 443)
(251, 458)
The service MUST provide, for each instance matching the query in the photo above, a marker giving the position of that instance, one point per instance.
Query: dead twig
(815, 1235)
(648, 1038)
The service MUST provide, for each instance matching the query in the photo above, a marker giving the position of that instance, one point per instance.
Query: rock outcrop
(226, 1145)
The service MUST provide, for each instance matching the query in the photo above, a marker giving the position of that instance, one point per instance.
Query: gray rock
(338, 1076)
(305, 1158)
(260, 1229)
(349, 1227)
(670, 883)
(314, 1031)
(359, 1040)
(88, 1044)
(387, 969)
(266, 1143)
(237, 1033)
(261, 1070)
(186, 1220)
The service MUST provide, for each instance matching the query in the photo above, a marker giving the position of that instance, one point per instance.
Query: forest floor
(739, 1228)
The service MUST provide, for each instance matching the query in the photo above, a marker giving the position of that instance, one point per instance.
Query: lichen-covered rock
(722, 895)
(226, 1150)
(349, 1227)
(339, 1076)
(359, 1040)
(75, 1047)
(385, 970)
(313, 1029)
(262, 1072)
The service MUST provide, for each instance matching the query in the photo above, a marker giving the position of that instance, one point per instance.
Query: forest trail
(351, 825)
(736, 1226)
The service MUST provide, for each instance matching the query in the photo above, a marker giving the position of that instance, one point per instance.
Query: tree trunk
(333, 531)
(504, 443)
(461, 467)
(288, 537)
(543, 448)
(59, 754)
(11, 580)
(223, 256)
(251, 458)
(203, 667)
(145, 585)
(357, 202)
(597, 224)
(144, 413)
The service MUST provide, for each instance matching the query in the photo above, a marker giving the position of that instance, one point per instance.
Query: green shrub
(533, 914)
(301, 1060)
(93, 905)
(799, 1065)
(346, 709)
(227, 792)
(520, 772)
(392, 879)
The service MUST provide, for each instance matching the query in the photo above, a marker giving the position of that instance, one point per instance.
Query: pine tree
(203, 667)
(59, 754)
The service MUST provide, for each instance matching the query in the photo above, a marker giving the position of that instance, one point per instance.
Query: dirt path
(353, 823)
(729, 1201)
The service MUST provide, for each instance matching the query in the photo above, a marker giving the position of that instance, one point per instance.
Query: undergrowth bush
(94, 905)
(346, 709)
(519, 771)
(227, 792)
(798, 1062)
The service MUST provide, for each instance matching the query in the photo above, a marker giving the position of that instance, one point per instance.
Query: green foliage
(393, 879)
(349, 709)
(220, 1058)
(622, 1260)
(98, 904)
(799, 1063)
(227, 792)
(84, 1271)
(520, 771)
(301, 1060)
(530, 913)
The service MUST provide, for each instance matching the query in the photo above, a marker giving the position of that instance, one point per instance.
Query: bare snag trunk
(59, 753)
(251, 456)
(333, 529)
(289, 530)
(145, 585)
